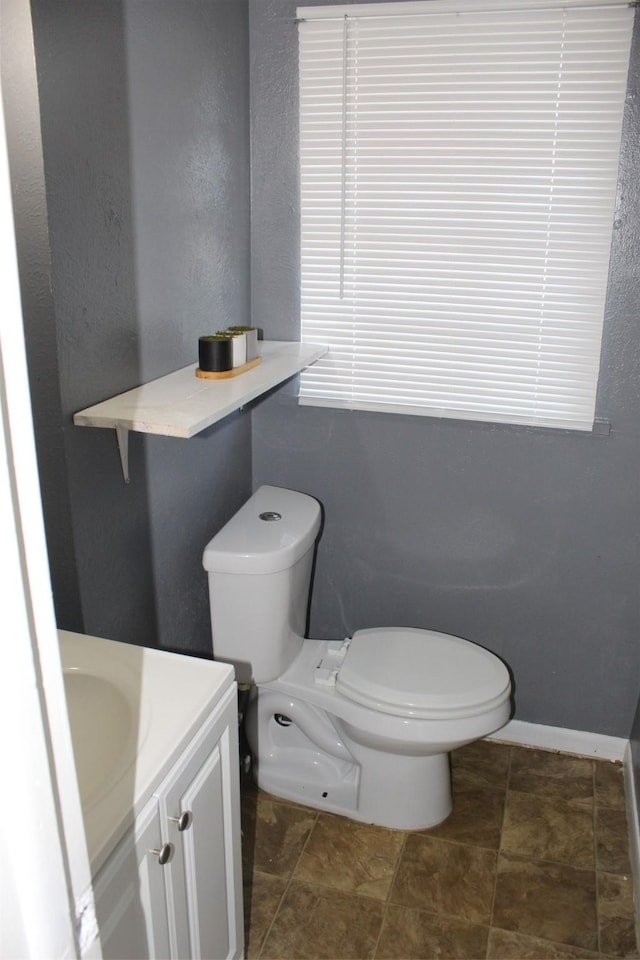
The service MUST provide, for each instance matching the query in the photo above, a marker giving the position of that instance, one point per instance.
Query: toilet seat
(420, 674)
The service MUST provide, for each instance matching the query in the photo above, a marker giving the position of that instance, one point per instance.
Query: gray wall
(524, 540)
(146, 159)
(22, 115)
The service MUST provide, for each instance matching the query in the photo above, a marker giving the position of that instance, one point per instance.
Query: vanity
(155, 739)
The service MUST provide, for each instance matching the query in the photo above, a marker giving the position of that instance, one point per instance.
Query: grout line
(275, 914)
(595, 856)
(499, 850)
(289, 879)
(306, 843)
(388, 897)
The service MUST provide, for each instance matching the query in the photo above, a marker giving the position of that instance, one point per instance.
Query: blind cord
(343, 172)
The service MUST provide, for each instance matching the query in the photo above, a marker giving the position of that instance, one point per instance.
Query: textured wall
(525, 540)
(22, 112)
(145, 136)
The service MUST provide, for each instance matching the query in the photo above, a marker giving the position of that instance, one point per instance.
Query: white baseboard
(558, 738)
(634, 833)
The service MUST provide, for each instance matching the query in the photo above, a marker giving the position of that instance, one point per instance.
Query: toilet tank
(259, 569)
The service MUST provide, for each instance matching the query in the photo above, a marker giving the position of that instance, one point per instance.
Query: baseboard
(580, 742)
(634, 832)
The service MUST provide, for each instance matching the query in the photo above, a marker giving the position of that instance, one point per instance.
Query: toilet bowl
(362, 726)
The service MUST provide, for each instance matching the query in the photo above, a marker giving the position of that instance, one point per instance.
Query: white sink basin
(104, 732)
(108, 716)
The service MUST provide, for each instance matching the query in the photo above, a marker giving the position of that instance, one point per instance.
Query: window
(458, 180)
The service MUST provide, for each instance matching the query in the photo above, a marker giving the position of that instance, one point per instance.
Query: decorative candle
(215, 353)
(239, 345)
(252, 340)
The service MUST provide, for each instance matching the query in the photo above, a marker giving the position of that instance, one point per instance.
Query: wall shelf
(182, 405)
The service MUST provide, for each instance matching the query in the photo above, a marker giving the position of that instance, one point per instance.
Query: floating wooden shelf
(182, 405)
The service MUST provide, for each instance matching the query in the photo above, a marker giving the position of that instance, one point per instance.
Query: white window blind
(458, 181)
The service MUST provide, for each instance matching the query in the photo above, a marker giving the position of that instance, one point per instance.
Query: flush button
(270, 515)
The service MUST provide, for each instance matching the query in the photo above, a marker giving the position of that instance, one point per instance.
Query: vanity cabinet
(173, 885)
(131, 894)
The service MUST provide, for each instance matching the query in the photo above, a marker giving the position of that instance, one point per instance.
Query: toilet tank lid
(271, 532)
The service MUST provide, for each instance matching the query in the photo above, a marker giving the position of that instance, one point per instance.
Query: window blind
(458, 182)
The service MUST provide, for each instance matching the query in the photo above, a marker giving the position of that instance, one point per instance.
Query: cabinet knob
(184, 821)
(164, 854)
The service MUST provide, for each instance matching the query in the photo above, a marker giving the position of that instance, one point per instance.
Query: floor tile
(548, 829)
(409, 934)
(316, 922)
(551, 775)
(615, 911)
(549, 900)
(476, 818)
(350, 856)
(609, 784)
(262, 895)
(447, 878)
(273, 835)
(505, 945)
(612, 841)
(481, 764)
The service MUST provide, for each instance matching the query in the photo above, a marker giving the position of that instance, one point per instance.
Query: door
(200, 811)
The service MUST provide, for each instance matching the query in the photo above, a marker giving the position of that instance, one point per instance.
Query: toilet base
(301, 778)
(370, 795)
(300, 755)
(406, 793)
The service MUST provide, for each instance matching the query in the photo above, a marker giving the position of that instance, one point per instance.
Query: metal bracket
(122, 435)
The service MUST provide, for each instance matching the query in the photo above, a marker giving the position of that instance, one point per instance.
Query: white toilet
(362, 726)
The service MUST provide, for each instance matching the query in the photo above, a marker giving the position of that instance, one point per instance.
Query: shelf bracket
(122, 435)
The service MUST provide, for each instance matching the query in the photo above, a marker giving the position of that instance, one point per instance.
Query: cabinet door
(130, 893)
(205, 876)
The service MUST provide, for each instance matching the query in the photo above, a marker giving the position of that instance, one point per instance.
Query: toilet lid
(421, 674)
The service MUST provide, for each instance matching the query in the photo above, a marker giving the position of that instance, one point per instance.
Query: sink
(103, 730)
(108, 714)
(132, 710)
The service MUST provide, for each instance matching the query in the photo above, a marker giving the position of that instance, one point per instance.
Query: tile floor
(533, 863)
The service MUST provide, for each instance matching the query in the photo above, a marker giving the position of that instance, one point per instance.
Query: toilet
(362, 726)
